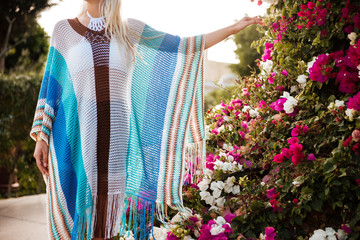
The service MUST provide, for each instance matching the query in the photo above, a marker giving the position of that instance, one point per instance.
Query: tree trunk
(4, 48)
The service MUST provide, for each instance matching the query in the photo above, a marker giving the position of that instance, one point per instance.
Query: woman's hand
(217, 36)
(41, 156)
(244, 22)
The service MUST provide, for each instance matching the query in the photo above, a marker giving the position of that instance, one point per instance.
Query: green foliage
(29, 55)
(22, 36)
(247, 139)
(245, 53)
(18, 96)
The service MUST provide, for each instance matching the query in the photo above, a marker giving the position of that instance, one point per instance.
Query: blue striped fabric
(161, 124)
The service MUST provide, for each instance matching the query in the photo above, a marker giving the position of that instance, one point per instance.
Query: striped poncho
(121, 136)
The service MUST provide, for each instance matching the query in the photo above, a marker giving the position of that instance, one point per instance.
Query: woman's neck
(93, 9)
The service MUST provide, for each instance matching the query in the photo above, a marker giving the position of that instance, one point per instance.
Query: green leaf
(316, 205)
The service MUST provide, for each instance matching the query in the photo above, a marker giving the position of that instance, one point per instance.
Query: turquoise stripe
(167, 130)
(60, 72)
(184, 116)
(139, 89)
(40, 107)
(37, 122)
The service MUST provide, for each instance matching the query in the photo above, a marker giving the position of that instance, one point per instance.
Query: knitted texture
(122, 134)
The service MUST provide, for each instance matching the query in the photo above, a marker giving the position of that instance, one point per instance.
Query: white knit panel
(119, 118)
(78, 55)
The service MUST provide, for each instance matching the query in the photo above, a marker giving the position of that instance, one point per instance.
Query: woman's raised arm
(217, 36)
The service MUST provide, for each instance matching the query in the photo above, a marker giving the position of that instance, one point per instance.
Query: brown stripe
(173, 134)
(101, 69)
(100, 46)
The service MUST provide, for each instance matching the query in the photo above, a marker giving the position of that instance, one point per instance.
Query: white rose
(318, 235)
(226, 118)
(218, 164)
(221, 129)
(218, 107)
(207, 132)
(350, 113)
(311, 63)
(188, 237)
(207, 197)
(331, 106)
(216, 230)
(294, 89)
(213, 208)
(217, 185)
(330, 232)
(228, 147)
(296, 183)
(217, 193)
(341, 234)
(290, 104)
(266, 66)
(352, 36)
(339, 103)
(235, 189)
(203, 185)
(220, 220)
(220, 201)
(246, 108)
(301, 79)
(253, 113)
(230, 158)
(222, 154)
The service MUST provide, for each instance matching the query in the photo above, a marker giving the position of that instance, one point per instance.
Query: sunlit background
(183, 18)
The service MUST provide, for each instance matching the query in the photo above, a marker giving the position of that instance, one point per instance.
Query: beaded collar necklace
(96, 24)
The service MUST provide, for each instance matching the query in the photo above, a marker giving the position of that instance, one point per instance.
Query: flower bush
(284, 152)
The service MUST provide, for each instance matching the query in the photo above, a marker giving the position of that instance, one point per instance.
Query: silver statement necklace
(96, 24)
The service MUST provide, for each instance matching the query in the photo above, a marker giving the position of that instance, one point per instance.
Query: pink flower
(279, 158)
(278, 105)
(284, 72)
(270, 193)
(171, 236)
(296, 148)
(295, 201)
(274, 205)
(354, 102)
(242, 134)
(293, 140)
(297, 157)
(229, 217)
(270, 233)
(271, 80)
(280, 88)
(286, 152)
(215, 131)
(311, 157)
(356, 135)
(245, 92)
(311, 5)
(262, 104)
(346, 228)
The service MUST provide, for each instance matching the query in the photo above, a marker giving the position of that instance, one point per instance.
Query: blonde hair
(116, 27)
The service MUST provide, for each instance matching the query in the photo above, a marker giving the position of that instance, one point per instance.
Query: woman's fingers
(41, 156)
(45, 160)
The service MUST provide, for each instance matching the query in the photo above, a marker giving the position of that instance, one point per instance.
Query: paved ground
(23, 218)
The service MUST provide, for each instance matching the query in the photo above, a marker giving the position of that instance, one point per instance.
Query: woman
(119, 115)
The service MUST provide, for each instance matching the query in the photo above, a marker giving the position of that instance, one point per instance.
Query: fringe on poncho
(121, 136)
